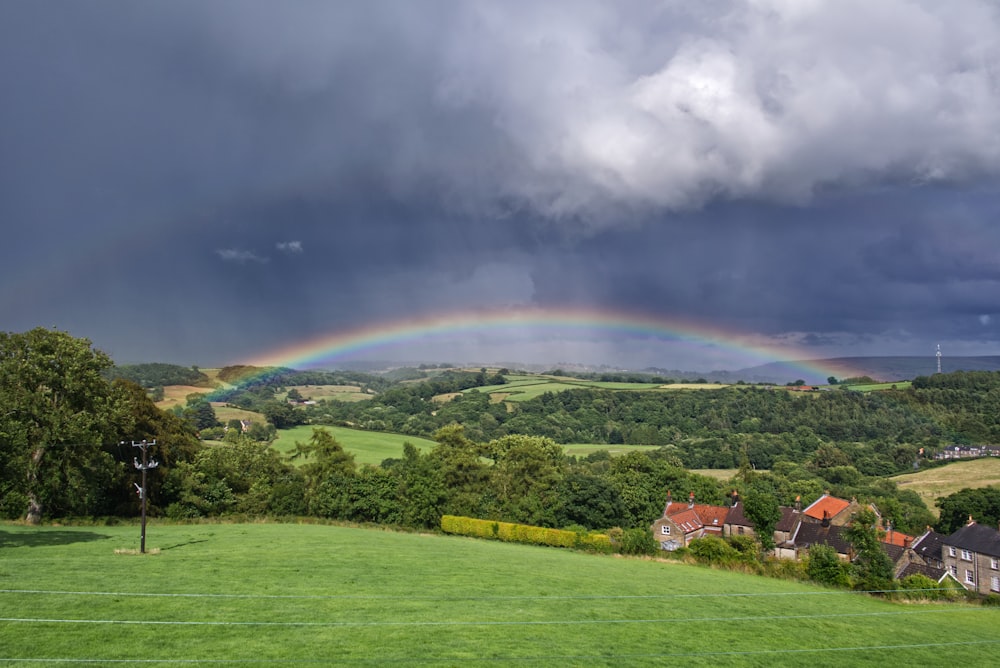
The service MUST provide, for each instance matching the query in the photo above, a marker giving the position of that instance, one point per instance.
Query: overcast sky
(203, 182)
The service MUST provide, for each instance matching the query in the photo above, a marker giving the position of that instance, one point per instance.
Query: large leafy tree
(871, 563)
(55, 414)
(981, 504)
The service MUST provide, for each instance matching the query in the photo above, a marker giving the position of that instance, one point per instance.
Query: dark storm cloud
(816, 172)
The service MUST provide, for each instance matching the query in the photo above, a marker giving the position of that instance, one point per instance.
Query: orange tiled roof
(897, 538)
(831, 504)
(690, 518)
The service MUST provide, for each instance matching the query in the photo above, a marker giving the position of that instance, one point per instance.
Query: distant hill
(879, 368)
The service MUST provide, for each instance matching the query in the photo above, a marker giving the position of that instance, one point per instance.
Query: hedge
(523, 533)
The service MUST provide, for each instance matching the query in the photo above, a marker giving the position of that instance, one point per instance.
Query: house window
(954, 570)
(994, 563)
(951, 552)
(739, 530)
(665, 530)
(966, 555)
(995, 583)
(969, 577)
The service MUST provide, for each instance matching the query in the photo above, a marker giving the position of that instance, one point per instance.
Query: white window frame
(970, 577)
(665, 530)
(954, 570)
(994, 563)
(966, 555)
(951, 551)
(995, 583)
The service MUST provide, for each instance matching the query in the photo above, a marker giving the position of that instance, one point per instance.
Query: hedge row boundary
(524, 533)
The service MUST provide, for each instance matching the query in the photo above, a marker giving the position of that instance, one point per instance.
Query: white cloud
(772, 99)
(240, 256)
(290, 247)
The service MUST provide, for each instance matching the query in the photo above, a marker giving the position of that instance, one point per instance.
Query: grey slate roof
(936, 574)
(977, 538)
(929, 545)
(816, 534)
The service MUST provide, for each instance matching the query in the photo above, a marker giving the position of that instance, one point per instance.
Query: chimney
(736, 499)
(798, 504)
(670, 500)
(691, 500)
(826, 518)
(971, 521)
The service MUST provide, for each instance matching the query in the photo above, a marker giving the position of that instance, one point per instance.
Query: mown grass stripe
(546, 622)
(519, 659)
(355, 597)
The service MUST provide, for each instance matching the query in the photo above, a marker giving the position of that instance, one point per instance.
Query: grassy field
(369, 447)
(584, 449)
(266, 594)
(530, 387)
(337, 392)
(875, 387)
(935, 483)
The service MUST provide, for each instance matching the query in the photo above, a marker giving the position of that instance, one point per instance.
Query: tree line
(66, 433)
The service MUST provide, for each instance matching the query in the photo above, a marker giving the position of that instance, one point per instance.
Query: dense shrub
(825, 567)
(523, 533)
(713, 550)
(639, 541)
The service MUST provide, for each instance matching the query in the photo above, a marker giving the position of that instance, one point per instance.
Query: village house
(823, 522)
(968, 451)
(972, 556)
(738, 524)
(929, 547)
(832, 510)
(683, 522)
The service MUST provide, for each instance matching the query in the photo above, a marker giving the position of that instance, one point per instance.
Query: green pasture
(875, 387)
(584, 449)
(525, 388)
(369, 447)
(270, 594)
(940, 481)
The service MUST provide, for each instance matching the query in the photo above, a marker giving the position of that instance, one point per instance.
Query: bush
(523, 533)
(825, 567)
(713, 550)
(639, 541)
(747, 546)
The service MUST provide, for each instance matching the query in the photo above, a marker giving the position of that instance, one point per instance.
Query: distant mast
(938, 355)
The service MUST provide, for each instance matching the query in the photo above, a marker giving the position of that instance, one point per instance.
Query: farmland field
(267, 594)
(525, 388)
(935, 483)
(584, 449)
(369, 447)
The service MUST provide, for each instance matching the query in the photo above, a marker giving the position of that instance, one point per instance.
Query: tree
(871, 563)
(982, 504)
(832, 380)
(329, 471)
(525, 475)
(760, 505)
(53, 398)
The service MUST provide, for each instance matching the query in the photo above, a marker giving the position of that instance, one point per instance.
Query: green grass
(525, 388)
(875, 387)
(932, 484)
(369, 447)
(584, 449)
(263, 594)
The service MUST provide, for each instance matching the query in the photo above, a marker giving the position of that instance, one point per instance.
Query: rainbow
(534, 321)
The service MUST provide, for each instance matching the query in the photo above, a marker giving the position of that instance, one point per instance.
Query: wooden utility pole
(144, 466)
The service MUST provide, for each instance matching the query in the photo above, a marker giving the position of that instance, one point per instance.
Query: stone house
(683, 522)
(972, 556)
